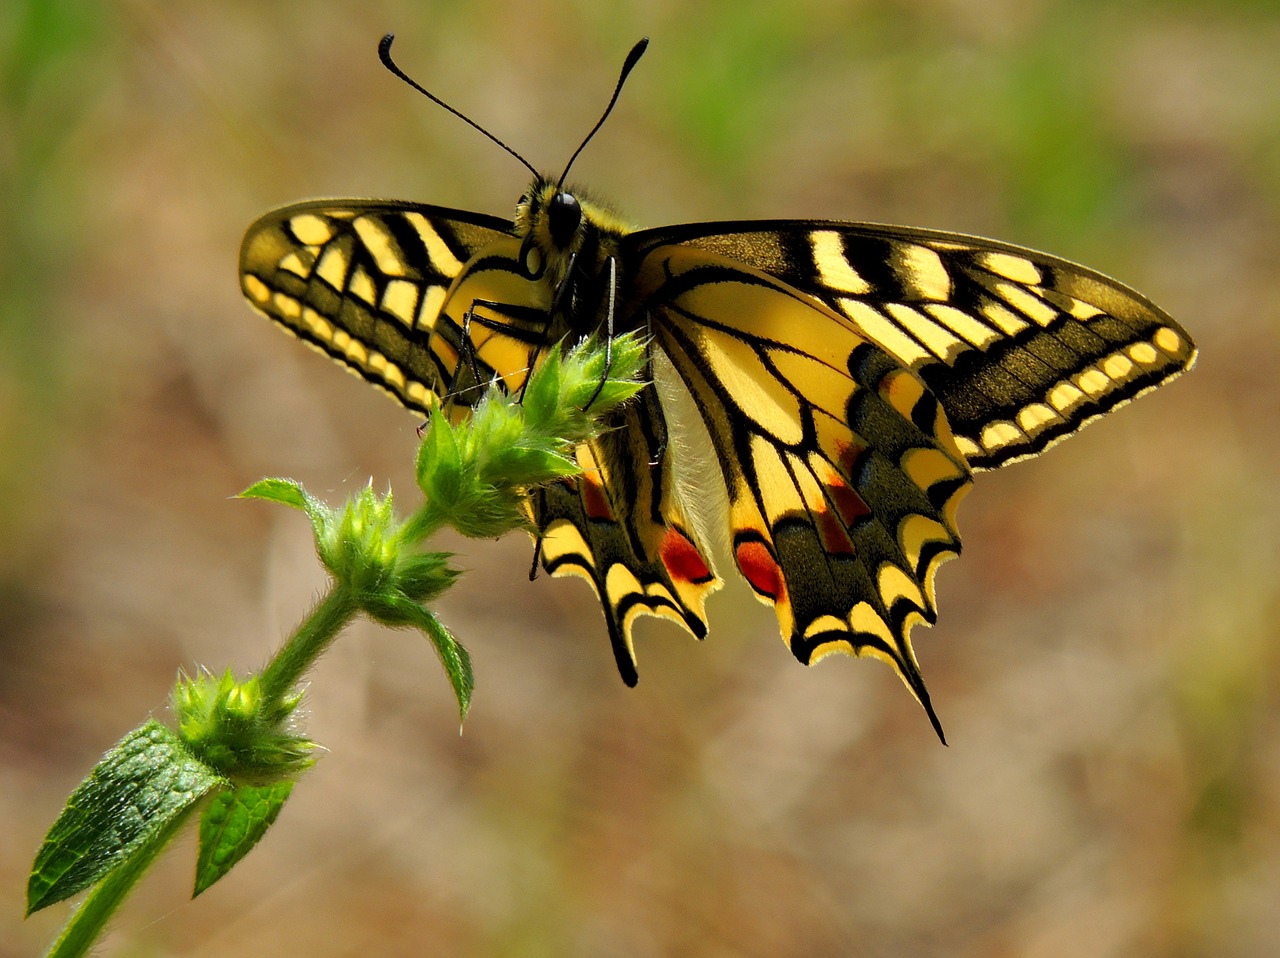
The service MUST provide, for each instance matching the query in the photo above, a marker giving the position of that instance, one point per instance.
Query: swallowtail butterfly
(850, 378)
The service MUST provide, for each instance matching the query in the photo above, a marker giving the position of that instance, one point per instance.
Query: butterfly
(821, 393)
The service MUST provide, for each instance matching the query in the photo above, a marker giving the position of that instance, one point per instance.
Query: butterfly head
(550, 221)
(560, 229)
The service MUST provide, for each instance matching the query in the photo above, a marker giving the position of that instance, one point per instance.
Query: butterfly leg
(523, 324)
(467, 350)
(538, 506)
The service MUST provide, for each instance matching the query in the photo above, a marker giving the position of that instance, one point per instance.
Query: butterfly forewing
(1020, 348)
(364, 282)
(842, 474)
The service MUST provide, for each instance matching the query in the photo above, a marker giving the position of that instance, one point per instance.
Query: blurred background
(1106, 661)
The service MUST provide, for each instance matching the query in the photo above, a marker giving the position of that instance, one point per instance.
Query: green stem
(90, 919)
(421, 525)
(314, 635)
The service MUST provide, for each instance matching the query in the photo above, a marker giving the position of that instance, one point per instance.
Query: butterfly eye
(563, 217)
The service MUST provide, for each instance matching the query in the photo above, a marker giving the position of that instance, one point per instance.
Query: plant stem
(314, 635)
(421, 525)
(90, 919)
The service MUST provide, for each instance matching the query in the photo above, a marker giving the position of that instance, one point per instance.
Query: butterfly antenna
(384, 54)
(632, 59)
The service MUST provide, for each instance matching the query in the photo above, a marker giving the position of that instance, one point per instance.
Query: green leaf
(232, 824)
(519, 466)
(588, 382)
(424, 577)
(456, 661)
(285, 491)
(290, 493)
(148, 779)
(453, 655)
(439, 463)
(543, 393)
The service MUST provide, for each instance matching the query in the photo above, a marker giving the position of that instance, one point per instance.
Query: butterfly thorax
(567, 241)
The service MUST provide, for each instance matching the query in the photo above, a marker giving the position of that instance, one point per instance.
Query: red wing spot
(681, 557)
(835, 539)
(848, 455)
(760, 569)
(594, 502)
(848, 503)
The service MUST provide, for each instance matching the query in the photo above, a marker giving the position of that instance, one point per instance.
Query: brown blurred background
(1107, 657)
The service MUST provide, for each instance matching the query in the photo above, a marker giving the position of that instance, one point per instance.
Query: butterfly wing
(621, 526)
(842, 474)
(1021, 348)
(363, 281)
(370, 284)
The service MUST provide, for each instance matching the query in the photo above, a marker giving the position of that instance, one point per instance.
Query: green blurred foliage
(46, 51)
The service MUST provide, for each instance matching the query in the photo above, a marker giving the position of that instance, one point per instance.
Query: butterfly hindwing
(619, 526)
(364, 282)
(1021, 348)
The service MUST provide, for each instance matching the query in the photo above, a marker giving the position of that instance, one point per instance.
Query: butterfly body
(847, 378)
